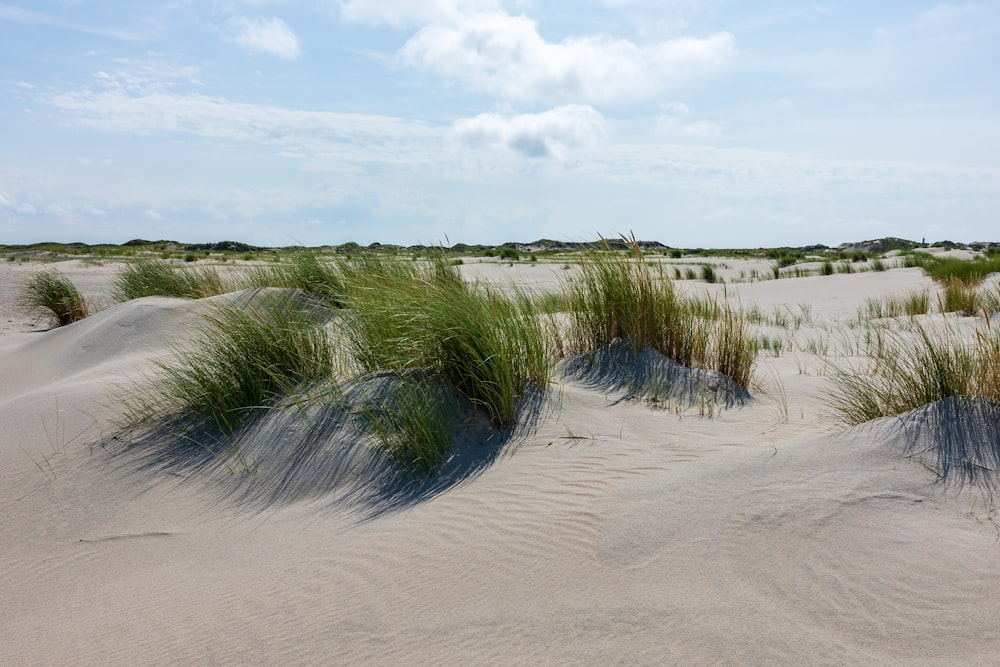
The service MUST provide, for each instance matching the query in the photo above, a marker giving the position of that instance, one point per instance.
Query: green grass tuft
(490, 346)
(248, 356)
(618, 297)
(907, 373)
(151, 277)
(303, 271)
(53, 293)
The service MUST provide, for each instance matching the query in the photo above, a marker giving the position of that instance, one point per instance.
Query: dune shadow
(319, 450)
(959, 436)
(614, 368)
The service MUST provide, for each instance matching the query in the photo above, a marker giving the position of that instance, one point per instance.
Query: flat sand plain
(614, 532)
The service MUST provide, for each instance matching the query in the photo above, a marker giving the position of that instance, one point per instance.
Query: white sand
(614, 533)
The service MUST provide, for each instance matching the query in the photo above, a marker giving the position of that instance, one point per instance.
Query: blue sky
(713, 123)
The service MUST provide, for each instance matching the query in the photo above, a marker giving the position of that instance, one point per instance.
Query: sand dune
(613, 532)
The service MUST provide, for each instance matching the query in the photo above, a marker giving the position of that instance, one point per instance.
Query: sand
(614, 532)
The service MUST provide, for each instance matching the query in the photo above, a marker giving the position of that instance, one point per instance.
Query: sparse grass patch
(957, 296)
(53, 293)
(910, 304)
(907, 373)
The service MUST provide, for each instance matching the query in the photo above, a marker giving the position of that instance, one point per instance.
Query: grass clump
(303, 271)
(968, 271)
(151, 277)
(958, 296)
(492, 347)
(248, 356)
(913, 303)
(618, 297)
(53, 293)
(413, 423)
(907, 373)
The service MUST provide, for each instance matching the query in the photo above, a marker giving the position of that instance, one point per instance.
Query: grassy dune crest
(406, 317)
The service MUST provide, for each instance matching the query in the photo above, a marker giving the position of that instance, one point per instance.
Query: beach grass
(911, 304)
(626, 297)
(54, 294)
(908, 371)
(304, 271)
(152, 277)
(414, 422)
(406, 316)
(248, 356)
(959, 296)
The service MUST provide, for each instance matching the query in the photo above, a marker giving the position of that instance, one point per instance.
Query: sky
(696, 123)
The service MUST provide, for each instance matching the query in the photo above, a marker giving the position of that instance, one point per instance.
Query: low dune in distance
(614, 530)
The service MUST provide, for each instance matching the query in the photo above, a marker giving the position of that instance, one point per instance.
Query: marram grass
(54, 294)
(909, 371)
(153, 277)
(621, 297)
(492, 347)
(247, 358)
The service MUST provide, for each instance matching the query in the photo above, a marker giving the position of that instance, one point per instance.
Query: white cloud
(146, 75)
(552, 133)
(362, 136)
(505, 55)
(265, 35)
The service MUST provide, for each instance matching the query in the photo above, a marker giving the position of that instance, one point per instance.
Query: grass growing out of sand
(53, 293)
(303, 271)
(249, 356)
(910, 304)
(621, 297)
(419, 322)
(414, 422)
(490, 346)
(907, 372)
(151, 277)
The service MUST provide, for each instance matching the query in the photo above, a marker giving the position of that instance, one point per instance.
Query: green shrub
(708, 273)
(53, 293)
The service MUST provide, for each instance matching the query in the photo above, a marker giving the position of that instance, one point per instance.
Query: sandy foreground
(614, 532)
